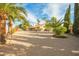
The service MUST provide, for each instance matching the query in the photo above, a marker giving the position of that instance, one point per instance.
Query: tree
(9, 12)
(38, 21)
(3, 25)
(24, 25)
(76, 19)
(47, 25)
(53, 23)
(67, 19)
(56, 26)
(37, 26)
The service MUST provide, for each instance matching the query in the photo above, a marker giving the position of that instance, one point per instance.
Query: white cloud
(31, 17)
(53, 10)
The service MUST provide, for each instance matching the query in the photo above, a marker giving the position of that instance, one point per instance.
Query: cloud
(54, 10)
(31, 18)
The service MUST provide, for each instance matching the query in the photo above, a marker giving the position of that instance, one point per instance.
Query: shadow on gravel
(13, 50)
(43, 45)
(51, 46)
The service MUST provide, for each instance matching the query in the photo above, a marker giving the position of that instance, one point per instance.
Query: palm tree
(10, 12)
(53, 23)
(24, 25)
(3, 24)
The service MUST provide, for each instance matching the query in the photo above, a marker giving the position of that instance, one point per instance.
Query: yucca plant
(57, 26)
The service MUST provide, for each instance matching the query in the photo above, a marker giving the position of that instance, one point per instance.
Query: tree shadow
(54, 46)
(42, 45)
(13, 50)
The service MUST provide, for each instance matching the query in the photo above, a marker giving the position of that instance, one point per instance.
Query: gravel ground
(30, 43)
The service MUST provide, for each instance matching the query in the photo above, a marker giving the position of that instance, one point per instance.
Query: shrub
(59, 30)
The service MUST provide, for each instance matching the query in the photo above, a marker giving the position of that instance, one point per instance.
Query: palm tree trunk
(0, 26)
(3, 30)
(10, 26)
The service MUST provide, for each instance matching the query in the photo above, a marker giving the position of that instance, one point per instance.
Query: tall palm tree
(10, 12)
(3, 25)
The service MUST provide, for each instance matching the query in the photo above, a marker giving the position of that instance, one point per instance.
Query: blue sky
(46, 10)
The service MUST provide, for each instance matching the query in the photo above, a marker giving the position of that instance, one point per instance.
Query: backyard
(26, 30)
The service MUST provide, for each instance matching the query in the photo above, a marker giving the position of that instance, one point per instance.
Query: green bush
(59, 30)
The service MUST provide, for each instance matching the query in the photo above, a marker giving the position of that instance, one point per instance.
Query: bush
(59, 30)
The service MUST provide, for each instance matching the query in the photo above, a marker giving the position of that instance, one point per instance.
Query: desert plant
(54, 22)
(59, 30)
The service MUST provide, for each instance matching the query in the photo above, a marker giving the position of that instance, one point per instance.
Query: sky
(43, 11)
